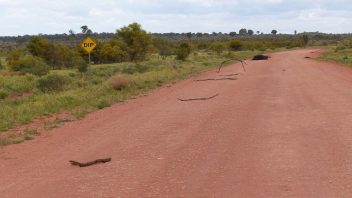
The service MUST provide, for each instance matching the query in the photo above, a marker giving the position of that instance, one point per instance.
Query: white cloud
(42, 16)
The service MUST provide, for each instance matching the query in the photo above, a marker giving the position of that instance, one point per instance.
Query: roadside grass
(83, 94)
(343, 56)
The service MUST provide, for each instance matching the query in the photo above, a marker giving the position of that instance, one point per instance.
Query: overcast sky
(19, 17)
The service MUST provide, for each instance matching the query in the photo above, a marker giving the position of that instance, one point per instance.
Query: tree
(71, 32)
(137, 41)
(243, 31)
(89, 32)
(233, 34)
(199, 34)
(250, 32)
(86, 30)
(258, 32)
(295, 32)
(274, 32)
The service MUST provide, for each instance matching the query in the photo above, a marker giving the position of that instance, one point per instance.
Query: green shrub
(3, 94)
(236, 45)
(30, 64)
(103, 104)
(217, 47)
(13, 56)
(81, 65)
(231, 55)
(183, 51)
(340, 48)
(28, 137)
(1, 65)
(52, 82)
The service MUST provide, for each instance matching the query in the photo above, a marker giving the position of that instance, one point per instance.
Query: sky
(20, 17)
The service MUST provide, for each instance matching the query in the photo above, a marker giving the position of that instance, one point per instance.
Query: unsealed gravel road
(283, 129)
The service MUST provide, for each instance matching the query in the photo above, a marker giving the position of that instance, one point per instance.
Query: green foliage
(56, 55)
(163, 46)
(342, 55)
(243, 31)
(217, 47)
(340, 48)
(203, 45)
(183, 51)
(30, 64)
(81, 97)
(52, 82)
(16, 84)
(103, 104)
(38, 46)
(3, 94)
(250, 32)
(86, 30)
(138, 42)
(28, 137)
(232, 34)
(274, 32)
(1, 65)
(112, 52)
(81, 65)
(13, 56)
(236, 45)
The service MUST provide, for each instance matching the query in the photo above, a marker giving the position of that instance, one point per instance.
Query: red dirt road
(283, 129)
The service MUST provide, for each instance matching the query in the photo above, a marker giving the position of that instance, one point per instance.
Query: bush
(1, 66)
(217, 47)
(230, 55)
(236, 45)
(3, 94)
(120, 82)
(103, 104)
(13, 56)
(340, 48)
(183, 51)
(30, 64)
(81, 65)
(52, 82)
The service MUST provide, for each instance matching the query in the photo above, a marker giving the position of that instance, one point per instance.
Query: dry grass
(120, 82)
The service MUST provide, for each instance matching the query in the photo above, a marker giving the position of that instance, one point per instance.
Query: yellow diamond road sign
(88, 45)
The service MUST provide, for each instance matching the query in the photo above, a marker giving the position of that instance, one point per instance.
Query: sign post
(88, 45)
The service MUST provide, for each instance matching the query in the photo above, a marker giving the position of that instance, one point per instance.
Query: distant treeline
(316, 38)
